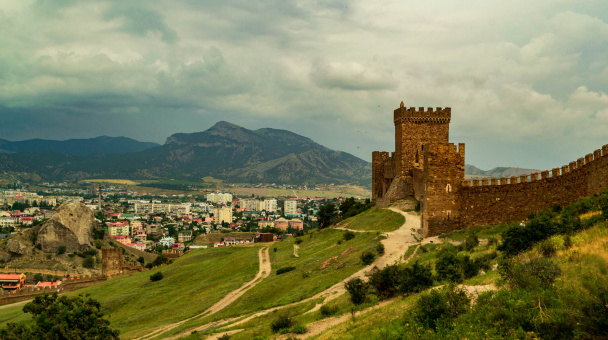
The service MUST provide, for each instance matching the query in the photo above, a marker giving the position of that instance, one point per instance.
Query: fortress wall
(488, 202)
(444, 171)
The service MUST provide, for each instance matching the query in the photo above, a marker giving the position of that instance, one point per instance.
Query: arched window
(448, 188)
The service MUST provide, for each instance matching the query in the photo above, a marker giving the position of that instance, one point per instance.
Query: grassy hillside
(324, 259)
(374, 219)
(191, 284)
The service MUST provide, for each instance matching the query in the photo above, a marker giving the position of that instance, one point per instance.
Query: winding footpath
(395, 244)
(264, 270)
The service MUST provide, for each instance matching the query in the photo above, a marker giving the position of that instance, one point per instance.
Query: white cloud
(332, 70)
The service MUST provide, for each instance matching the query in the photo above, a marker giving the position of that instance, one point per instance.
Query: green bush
(385, 281)
(328, 310)
(88, 262)
(156, 276)
(299, 329)
(367, 257)
(448, 267)
(348, 235)
(285, 270)
(283, 321)
(415, 278)
(61, 250)
(380, 249)
(471, 242)
(529, 273)
(441, 307)
(357, 290)
(547, 248)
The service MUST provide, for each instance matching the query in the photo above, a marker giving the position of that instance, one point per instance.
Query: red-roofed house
(48, 284)
(121, 239)
(12, 282)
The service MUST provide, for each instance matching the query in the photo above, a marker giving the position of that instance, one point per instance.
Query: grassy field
(374, 219)
(194, 282)
(309, 276)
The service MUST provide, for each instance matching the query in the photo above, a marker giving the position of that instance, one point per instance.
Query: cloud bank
(526, 81)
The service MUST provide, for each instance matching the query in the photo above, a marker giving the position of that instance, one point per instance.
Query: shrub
(98, 244)
(348, 235)
(160, 259)
(156, 276)
(283, 321)
(471, 242)
(356, 288)
(38, 277)
(98, 233)
(39, 246)
(274, 249)
(328, 310)
(299, 329)
(385, 281)
(529, 273)
(469, 268)
(415, 278)
(440, 307)
(141, 260)
(88, 262)
(285, 270)
(367, 257)
(447, 266)
(298, 241)
(547, 248)
(61, 250)
(380, 249)
(224, 337)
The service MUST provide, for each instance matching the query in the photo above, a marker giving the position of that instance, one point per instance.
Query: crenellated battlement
(420, 115)
(572, 168)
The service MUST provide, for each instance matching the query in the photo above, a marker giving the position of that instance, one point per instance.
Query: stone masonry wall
(415, 127)
(444, 172)
(503, 200)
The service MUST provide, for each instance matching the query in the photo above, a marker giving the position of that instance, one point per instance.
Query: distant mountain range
(77, 147)
(225, 151)
(472, 172)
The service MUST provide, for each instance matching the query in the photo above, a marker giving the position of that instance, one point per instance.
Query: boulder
(71, 226)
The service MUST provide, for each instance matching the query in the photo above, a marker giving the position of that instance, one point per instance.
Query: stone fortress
(427, 166)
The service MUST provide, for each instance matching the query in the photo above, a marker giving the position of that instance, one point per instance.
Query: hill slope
(77, 147)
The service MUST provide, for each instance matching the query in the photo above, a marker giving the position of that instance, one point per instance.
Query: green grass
(136, 306)
(307, 279)
(491, 231)
(375, 219)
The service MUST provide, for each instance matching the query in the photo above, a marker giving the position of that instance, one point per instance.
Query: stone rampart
(502, 200)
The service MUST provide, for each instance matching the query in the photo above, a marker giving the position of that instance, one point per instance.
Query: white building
(155, 208)
(291, 208)
(219, 198)
(270, 205)
(223, 215)
(251, 204)
(166, 241)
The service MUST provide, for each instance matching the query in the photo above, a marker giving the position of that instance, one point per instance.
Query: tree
(326, 215)
(357, 289)
(62, 318)
(88, 262)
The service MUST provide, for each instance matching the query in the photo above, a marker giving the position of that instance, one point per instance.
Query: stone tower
(392, 176)
(112, 261)
(414, 128)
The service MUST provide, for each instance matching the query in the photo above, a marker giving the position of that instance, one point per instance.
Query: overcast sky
(527, 81)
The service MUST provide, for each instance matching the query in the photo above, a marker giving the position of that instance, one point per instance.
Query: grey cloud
(351, 76)
(140, 21)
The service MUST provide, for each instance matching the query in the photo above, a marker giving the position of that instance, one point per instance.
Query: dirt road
(265, 268)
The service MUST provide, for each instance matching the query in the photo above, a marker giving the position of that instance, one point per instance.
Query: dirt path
(265, 268)
(395, 246)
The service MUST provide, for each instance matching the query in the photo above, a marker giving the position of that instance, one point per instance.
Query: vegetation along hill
(499, 172)
(225, 151)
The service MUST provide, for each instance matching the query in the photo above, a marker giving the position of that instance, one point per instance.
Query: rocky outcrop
(71, 226)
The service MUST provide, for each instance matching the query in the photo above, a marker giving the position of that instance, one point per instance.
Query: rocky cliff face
(71, 226)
